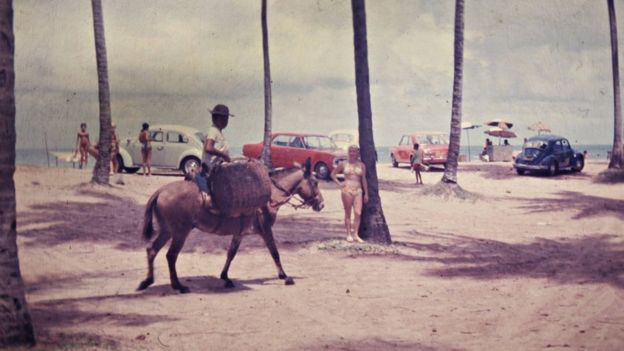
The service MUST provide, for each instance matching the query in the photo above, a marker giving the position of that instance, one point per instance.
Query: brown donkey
(178, 208)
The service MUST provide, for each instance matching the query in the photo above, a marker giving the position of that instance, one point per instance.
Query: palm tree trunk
(15, 322)
(616, 153)
(373, 225)
(102, 165)
(450, 171)
(266, 150)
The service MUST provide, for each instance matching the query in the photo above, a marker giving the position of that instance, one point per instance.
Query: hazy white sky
(169, 61)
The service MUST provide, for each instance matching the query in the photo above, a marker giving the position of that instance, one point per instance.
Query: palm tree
(450, 171)
(102, 165)
(616, 154)
(373, 225)
(15, 323)
(266, 150)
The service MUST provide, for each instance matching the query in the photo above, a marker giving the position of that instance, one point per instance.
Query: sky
(170, 61)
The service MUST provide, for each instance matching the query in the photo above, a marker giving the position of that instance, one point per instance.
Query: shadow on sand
(586, 205)
(597, 258)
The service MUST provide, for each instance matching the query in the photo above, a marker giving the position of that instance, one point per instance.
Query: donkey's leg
(172, 256)
(267, 235)
(236, 240)
(152, 251)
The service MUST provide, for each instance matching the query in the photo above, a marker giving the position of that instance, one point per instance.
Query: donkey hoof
(289, 281)
(229, 284)
(144, 284)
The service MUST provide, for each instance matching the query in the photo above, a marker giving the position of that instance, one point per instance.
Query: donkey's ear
(307, 167)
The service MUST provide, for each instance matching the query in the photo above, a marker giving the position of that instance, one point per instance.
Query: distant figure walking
(146, 149)
(83, 144)
(354, 191)
(417, 162)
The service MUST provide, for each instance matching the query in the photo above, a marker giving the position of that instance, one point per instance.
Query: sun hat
(221, 110)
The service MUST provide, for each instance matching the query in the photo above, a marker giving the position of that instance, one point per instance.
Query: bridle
(292, 196)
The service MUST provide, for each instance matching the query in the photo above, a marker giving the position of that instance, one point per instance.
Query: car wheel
(131, 170)
(322, 171)
(189, 164)
(395, 164)
(520, 171)
(579, 164)
(552, 168)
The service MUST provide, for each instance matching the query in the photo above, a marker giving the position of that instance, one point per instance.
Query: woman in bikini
(83, 144)
(354, 191)
(146, 149)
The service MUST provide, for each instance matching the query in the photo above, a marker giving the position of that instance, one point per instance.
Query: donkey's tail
(148, 223)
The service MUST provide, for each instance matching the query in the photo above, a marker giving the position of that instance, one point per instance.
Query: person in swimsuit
(114, 149)
(146, 149)
(417, 164)
(354, 191)
(83, 144)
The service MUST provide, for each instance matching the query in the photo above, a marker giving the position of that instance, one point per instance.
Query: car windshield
(535, 144)
(433, 139)
(345, 138)
(320, 142)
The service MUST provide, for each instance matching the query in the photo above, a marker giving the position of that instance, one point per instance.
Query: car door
(279, 149)
(558, 153)
(566, 154)
(404, 151)
(159, 156)
(176, 143)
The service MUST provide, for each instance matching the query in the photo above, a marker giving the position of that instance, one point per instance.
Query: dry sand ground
(536, 263)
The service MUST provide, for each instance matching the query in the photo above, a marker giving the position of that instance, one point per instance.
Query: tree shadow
(585, 205)
(368, 344)
(597, 259)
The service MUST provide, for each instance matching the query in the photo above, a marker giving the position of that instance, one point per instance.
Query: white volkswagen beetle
(173, 147)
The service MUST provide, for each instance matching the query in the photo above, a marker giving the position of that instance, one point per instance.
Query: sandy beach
(535, 263)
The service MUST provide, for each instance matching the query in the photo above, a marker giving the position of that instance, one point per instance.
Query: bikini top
(350, 169)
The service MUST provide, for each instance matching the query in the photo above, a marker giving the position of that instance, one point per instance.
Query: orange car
(433, 144)
(287, 148)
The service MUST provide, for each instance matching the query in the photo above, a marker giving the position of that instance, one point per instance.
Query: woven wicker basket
(240, 187)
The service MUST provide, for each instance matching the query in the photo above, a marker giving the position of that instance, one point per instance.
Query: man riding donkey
(226, 197)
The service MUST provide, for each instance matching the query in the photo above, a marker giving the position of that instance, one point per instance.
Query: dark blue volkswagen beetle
(548, 153)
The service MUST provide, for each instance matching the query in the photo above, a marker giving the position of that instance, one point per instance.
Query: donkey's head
(308, 188)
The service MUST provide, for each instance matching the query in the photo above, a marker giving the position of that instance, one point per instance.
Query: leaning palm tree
(15, 323)
(266, 150)
(450, 171)
(617, 159)
(102, 165)
(373, 226)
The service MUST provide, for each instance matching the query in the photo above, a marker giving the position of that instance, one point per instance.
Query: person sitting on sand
(83, 144)
(484, 153)
(215, 147)
(417, 164)
(354, 191)
(146, 149)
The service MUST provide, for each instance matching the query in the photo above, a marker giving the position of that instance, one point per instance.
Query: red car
(433, 144)
(287, 148)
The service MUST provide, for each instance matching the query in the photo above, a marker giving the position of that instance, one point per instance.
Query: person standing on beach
(83, 144)
(146, 149)
(417, 162)
(114, 149)
(354, 191)
(216, 148)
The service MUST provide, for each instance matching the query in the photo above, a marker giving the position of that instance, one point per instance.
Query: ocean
(40, 158)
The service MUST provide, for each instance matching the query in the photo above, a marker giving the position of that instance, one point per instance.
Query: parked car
(433, 144)
(343, 138)
(550, 154)
(173, 147)
(287, 148)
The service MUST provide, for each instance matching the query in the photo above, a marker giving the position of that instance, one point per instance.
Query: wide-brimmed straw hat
(221, 110)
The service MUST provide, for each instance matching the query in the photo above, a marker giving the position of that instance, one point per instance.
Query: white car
(173, 147)
(343, 138)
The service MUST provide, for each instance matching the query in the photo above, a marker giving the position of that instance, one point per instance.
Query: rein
(290, 196)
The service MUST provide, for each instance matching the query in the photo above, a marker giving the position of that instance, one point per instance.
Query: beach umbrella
(500, 133)
(501, 123)
(467, 126)
(539, 127)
